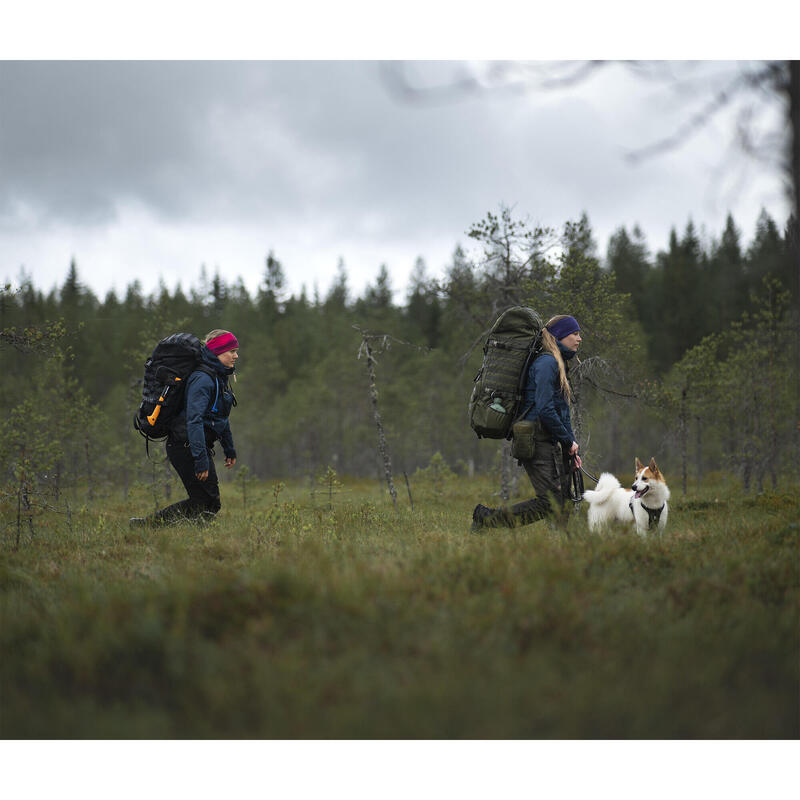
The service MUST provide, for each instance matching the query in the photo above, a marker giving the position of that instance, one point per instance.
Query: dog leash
(577, 488)
(576, 483)
(583, 470)
(576, 480)
(588, 474)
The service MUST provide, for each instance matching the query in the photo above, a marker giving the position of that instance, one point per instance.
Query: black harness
(653, 514)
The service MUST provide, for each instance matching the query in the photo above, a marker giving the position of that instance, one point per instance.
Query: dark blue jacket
(543, 394)
(208, 404)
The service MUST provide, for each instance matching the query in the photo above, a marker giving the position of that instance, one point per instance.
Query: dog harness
(653, 514)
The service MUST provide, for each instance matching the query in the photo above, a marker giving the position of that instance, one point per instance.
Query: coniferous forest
(690, 353)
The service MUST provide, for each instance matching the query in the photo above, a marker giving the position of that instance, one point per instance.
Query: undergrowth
(298, 617)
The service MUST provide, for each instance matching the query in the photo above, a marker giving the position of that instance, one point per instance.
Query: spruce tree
(628, 261)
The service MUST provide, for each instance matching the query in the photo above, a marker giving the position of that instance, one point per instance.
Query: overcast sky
(148, 170)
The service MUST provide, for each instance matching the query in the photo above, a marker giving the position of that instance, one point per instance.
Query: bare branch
(771, 78)
(463, 360)
(694, 124)
(509, 76)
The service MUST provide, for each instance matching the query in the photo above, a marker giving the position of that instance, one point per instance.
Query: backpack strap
(216, 396)
(215, 375)
(534, 353)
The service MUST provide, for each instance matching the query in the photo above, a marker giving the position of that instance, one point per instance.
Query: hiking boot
(479, 515)
(204, 519)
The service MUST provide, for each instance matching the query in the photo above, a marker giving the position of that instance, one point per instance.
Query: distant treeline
(689, 354)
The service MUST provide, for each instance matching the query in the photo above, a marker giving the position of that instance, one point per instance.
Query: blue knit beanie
(564, 327)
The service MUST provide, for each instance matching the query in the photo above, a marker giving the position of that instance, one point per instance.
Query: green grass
(291, 620)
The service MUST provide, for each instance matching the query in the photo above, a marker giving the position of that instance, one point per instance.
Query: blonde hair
(550, 345)
(213, 335)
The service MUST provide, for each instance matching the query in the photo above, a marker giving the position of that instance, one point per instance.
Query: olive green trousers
(549, 474)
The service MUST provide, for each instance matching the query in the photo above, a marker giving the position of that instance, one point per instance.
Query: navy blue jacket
(543, 394)
(208, 404)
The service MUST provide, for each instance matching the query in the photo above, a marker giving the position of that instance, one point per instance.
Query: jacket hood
(210, 360)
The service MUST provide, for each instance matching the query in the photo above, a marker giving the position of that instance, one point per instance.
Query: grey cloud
(318, 145)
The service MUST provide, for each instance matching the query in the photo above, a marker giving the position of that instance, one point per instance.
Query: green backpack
(513, 342)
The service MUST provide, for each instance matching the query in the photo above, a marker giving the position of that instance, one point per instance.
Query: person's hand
(229, 462)
(573, 451)
(202, 476)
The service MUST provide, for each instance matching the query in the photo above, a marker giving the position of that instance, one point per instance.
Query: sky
(152, 170)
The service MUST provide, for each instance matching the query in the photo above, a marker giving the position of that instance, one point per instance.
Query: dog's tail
(604, 489)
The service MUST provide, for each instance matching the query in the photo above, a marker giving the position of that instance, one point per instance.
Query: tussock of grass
(287, 619)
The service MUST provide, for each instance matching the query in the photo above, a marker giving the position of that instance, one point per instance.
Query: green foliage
(744, 380)
(243, 478)
(45, 337)
(329, 480)
(436, 477)
(304, 397)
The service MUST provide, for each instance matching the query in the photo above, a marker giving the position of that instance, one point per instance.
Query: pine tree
(628, 260)
(677, 320)
(337, 297)
(768, 257)
(270, 293)
(726, 289)
(423, 309)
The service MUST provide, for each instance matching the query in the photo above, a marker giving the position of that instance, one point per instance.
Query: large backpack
(165, 375)
(513, 342)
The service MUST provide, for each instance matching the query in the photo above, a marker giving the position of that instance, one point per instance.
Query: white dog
(645, 504)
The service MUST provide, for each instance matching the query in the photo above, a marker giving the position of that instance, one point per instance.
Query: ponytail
(550, 345)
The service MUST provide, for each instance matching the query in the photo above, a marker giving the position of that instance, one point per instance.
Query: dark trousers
(549, 474)
(203, 501)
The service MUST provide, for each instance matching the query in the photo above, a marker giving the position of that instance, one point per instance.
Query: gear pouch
(523, 445)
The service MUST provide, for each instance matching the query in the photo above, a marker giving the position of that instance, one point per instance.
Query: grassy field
(289, 619)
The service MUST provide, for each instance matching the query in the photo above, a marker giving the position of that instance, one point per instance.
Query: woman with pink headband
(204, 421)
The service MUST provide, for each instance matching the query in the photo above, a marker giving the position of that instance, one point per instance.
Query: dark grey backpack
(513, 342)
(165, 374)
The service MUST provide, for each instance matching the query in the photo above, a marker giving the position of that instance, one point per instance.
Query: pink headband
(222, 343)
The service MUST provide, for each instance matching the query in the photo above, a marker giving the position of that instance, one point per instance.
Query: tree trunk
(683, 433)
(505, 471)
(614, 464)
(89, 476)
(699, 454)
(794, 118)
(167, 482)
(383, 449)
(514, 479)
(794, 232)
(128, 432)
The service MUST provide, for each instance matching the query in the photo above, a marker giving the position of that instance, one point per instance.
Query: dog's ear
(639, 466)
(653, 466)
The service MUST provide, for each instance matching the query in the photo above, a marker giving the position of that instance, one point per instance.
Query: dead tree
(384, 341)
(366, 350)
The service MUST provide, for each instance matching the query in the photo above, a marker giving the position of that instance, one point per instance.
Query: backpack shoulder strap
(535, 352)
(212, 373)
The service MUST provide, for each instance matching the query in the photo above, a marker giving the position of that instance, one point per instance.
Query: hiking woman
(548, 461)
(203, 421)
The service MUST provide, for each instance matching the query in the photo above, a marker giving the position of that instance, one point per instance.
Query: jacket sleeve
(226, 440)
(198, 398)
(545, 373)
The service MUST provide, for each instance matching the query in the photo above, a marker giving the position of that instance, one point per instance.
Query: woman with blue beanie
(549, 444)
